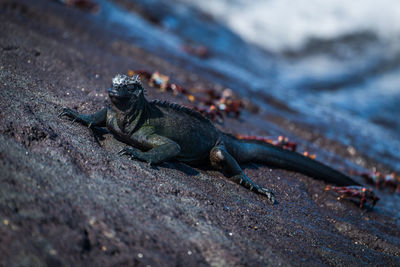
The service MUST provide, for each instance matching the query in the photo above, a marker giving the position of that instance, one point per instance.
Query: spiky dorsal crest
(181, 109)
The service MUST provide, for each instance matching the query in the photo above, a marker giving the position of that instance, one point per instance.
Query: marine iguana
(158, 131)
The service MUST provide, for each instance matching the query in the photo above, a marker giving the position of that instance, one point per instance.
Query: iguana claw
(68, 112)
(122, 152)
(132, 153)
(75, 116)
(268, 193)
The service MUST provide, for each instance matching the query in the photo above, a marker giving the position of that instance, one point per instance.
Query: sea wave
(279, 25)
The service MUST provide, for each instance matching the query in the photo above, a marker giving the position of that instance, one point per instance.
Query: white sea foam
(283, 24)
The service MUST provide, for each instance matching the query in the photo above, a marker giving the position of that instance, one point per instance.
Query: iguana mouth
(115, 93)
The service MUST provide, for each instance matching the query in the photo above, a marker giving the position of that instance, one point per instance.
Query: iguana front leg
(96, 119)
(221, 159)
(163, 149)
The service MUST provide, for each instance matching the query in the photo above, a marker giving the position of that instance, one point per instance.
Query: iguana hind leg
(222, 160)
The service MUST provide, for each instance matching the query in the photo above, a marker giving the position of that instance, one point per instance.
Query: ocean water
(288, 24)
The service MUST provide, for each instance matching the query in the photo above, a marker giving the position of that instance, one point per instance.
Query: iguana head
(125, 90)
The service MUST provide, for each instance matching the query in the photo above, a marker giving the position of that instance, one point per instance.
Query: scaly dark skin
(159, 131)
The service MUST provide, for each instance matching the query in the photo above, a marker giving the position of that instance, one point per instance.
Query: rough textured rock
(67, 198)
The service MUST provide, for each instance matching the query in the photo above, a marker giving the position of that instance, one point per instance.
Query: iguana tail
(261, 152)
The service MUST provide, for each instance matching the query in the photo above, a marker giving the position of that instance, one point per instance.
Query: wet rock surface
(68, 199)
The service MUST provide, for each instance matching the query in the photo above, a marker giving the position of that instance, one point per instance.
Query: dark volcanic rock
(67, 198)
